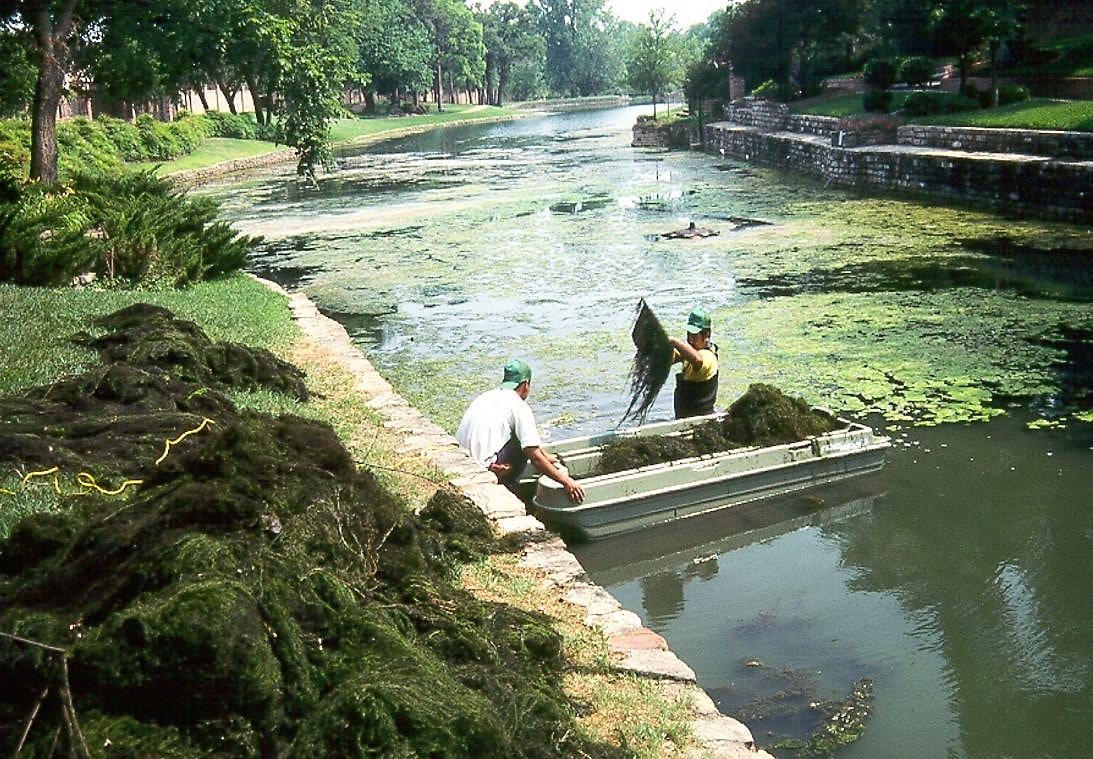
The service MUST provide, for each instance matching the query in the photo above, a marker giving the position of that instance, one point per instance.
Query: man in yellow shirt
(696, 383)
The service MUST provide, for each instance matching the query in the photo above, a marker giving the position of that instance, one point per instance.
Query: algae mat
(225, 582)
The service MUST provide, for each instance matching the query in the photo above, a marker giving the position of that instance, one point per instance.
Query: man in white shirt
(498, 429)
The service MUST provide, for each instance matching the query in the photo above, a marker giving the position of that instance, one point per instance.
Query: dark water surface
(958, 579)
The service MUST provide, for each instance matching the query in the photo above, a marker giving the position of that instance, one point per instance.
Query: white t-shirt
(490, 422)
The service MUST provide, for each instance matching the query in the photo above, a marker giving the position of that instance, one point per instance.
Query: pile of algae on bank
(762, 416)
(227, 581)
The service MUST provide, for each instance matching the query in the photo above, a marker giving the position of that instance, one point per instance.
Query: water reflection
(959, 585)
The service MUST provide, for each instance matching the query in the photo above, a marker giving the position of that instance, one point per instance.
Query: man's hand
(501, 470)
(573, 490)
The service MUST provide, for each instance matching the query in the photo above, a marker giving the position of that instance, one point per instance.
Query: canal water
(957, 580)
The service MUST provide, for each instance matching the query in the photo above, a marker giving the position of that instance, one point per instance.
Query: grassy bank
(614, 708)
(1068, 115)
(342, 131)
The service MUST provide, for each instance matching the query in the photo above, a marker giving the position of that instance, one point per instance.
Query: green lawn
(211, 151)
(35, 347)
(218, 149)
(348, 130)
(1072, 115)
(841, 105)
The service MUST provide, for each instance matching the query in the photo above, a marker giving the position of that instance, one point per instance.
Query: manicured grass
(211, 151)
(35, 347)
(842, 105)
(349, 130)
(218, 149)
(1071, 115)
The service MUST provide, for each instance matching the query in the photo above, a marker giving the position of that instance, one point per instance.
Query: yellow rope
(43, 473)
(168, 443)
(87, 480)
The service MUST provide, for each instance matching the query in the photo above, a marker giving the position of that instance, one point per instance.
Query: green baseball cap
(516, 373)
(698, 321)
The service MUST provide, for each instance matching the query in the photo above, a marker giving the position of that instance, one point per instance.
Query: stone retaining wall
(650, 134)
(1057, 144)
(823, 126)
(1014, 184)
(761, 114)
(634, 647)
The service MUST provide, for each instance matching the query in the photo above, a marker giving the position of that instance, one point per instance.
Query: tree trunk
(229, 94)
(51, 43)
(502, 82)
(994, 44)
(201, 96)
(439, 87)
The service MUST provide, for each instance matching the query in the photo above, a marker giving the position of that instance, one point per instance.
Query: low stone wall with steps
(1050, 143)
(634, 647)
(1014, 184)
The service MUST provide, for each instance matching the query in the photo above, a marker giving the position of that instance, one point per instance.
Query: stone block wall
(650, 134)
(1057, 144)
(823, 126)
(761, 114)
(1041, 187)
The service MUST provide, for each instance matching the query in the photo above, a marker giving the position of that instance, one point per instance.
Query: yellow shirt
(698, 372)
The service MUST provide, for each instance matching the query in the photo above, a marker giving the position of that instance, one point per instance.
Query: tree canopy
(297, 57)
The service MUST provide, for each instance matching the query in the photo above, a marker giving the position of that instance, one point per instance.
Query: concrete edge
(634, 647)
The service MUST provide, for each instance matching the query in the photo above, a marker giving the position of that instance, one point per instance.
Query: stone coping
(633, 647)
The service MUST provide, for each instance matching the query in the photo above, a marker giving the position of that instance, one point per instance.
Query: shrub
(933, 103)
(877, 101)
(240, 126)
(125, 136)
(42, 234)
(82, 146)
(126, 227)
(1012, 93)
(916, 70)
(14, 147)
(771, 90)
(166, 140)
(880, 73)
(144, 228)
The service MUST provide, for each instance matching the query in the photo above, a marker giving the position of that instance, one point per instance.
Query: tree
(654, 64)
(508, 32)
(902, 27)
(456, 40)
(583, 49)
(323, 58)
(788, 41)
(17, 74)
(395, 50)
(965, 25)
(55, 29)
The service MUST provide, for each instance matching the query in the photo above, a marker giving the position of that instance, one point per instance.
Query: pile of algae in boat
(763, 416)
(255, 593)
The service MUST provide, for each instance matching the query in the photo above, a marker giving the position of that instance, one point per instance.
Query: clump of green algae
(763, 416)
(258, 594)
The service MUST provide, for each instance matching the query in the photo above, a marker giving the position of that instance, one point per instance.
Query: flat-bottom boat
(645, 496)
